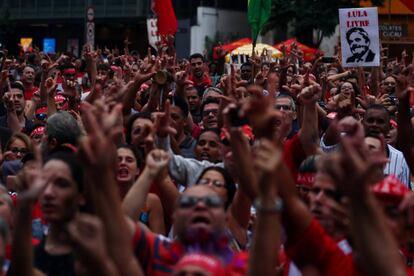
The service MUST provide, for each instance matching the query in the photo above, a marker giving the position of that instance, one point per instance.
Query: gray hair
(215, 89)
(63, 127)
(292, 101)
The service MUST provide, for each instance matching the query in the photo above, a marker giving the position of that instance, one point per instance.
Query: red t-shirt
(28, 93)
(158, 255)
(318, 249)
(294, 154)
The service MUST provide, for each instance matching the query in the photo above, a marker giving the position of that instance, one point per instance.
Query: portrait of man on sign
(359, 43)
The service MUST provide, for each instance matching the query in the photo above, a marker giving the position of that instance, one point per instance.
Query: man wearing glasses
(199, 224)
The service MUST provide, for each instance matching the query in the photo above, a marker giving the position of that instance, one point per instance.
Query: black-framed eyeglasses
(186, 201)
(16, 150)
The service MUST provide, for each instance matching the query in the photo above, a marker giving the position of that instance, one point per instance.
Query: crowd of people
(116, 164)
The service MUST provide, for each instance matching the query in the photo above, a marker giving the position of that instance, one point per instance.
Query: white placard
(152, 29)
(359, 37)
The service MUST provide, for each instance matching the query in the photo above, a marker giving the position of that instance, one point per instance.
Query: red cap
(390, 188)
(41, 110)
(40, 130)
(203, 261)
(59, 98)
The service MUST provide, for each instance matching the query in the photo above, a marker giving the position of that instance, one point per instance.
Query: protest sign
(359, 37)
(153, 37)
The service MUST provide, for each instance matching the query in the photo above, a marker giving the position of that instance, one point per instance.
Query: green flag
(258, 12)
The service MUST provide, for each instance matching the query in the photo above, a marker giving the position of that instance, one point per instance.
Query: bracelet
(277, 206)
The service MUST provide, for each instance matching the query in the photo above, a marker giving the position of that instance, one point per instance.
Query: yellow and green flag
(258, 12)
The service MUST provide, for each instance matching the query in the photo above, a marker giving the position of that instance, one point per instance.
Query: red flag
(167, 22)
(409, 4)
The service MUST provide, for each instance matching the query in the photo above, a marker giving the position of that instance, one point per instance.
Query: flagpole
(253, 63)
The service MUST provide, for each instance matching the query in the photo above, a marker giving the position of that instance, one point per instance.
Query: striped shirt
(396, 165)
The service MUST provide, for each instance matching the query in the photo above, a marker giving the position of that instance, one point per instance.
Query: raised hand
(354, 168)
(31, 179)
(97, 151)
(264, 119)
(51, 84)
(69, 89)
(8, 102)
(156, 161)
(267, 156)
(310, 94)
(163, 122)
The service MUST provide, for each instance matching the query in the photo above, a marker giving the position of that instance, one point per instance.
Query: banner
(152, 29)
(167, 22)
(359, 37)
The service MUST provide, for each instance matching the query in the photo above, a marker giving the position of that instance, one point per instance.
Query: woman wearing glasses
(18, 145)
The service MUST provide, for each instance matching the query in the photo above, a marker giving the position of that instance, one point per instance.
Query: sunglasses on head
(191, 201)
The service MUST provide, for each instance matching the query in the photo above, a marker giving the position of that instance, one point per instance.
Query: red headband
(306, 179)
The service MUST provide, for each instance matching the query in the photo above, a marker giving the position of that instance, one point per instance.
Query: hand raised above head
(156, 161)
(97, 149)
(163, 122)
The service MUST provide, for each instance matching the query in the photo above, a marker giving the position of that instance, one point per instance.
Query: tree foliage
(309, 15)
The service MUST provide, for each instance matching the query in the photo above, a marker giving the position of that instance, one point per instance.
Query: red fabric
(246, 129)
(231, 46)
(409, 4)
(390, 188)
(196, 131)
(204, 82)
(294, 154)
(316, 248)
(308, 52)
(167, 22)
(159, 255)
(28, 93)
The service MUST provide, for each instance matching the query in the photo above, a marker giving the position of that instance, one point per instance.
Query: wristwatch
(277, 206)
